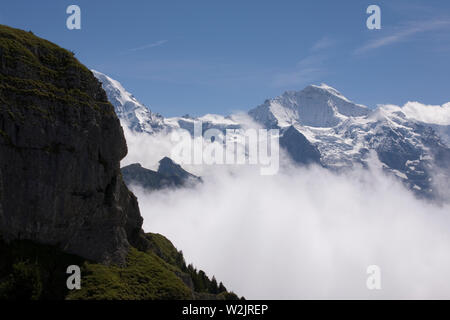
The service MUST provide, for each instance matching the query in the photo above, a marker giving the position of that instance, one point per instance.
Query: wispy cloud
(324, 43)
(403, 33)
(147, 46)
(308, 69)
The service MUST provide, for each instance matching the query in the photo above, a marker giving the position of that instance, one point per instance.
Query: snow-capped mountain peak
(333, 91)
(315, 106)
(116, 90)
(319, 124)
(136, 115)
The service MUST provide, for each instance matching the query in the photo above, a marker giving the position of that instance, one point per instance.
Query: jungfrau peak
(315, 106)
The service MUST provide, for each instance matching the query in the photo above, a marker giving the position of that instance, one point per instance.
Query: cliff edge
(60, 148)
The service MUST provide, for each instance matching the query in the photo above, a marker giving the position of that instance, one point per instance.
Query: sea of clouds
(304, 233)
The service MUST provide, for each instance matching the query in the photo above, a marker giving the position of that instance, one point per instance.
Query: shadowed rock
(299, 148)
(169, 175)
(60, 146)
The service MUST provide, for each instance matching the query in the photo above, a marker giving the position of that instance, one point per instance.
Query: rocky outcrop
(168, 175)
(169, 168)
(60, 148)
(299, 148)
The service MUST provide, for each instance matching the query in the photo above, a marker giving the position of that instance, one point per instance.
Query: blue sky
(212, 56)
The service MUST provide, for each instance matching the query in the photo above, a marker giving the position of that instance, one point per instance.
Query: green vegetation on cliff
(26, 60)
(34, 271)
(145, 276)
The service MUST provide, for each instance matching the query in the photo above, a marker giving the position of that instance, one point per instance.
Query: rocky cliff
(60, 147)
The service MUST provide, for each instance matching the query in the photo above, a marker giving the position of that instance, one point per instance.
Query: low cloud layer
(304, 233)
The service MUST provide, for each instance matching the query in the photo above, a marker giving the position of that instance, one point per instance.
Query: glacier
(411, 142)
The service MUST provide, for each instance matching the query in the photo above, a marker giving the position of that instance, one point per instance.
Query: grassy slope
(34, 271)
(145, 277)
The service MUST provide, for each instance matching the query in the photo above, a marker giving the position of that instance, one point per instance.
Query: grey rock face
(60, 148)
(171, 169)
(299, 148)
(169, 175)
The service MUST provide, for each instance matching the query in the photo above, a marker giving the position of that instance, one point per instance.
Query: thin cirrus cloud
(147, 46)
(324, 43)
(307, 69)
(403, 34)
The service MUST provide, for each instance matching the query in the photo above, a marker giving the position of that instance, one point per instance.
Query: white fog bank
(307, 233)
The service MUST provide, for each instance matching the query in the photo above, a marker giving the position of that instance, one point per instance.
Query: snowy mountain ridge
(136, 116)
(410, 141)
(315, 106)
